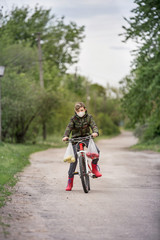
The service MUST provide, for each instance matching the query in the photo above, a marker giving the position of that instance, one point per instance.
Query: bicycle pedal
(76, 173)
(94, 176)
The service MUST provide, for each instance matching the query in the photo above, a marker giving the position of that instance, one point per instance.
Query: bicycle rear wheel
(84, 175)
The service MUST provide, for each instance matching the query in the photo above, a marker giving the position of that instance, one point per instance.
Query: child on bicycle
(79, 126)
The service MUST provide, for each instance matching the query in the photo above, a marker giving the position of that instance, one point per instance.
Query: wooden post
(0, 114)
(44, 133)
(2, 68)
(40, 61)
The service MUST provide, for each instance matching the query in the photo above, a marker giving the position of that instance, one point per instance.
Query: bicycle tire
(84, 175)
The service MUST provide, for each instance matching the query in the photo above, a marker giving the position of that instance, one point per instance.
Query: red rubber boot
(70, 184)
(95, 170)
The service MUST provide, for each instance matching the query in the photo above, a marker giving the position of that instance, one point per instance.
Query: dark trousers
(73, 166)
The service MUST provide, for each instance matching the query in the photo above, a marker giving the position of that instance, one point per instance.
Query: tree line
(141, 89)
(29, 110)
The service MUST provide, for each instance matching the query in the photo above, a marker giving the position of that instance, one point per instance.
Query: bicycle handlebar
(79, 139)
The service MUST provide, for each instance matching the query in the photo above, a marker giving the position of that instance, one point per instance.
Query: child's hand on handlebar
(94, 135)
(64, 139)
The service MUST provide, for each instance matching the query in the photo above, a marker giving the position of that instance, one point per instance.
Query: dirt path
(123, 205)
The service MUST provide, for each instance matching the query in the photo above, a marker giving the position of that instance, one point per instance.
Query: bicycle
(85, 170)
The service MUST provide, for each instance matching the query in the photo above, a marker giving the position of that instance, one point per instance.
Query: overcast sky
(104, 58)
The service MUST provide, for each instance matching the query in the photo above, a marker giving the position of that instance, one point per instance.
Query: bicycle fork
(83, 154)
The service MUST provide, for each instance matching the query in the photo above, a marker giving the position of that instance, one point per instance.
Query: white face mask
(81, 114)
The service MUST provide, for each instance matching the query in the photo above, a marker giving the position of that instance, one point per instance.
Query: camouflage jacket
(80, 126)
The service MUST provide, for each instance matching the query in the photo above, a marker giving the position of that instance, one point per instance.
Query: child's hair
(78, 105)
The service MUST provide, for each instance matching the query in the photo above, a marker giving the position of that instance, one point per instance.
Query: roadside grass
(152, 145)
(14, 157)
(52, 141)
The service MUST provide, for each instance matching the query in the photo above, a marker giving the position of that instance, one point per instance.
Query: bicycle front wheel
(84, 175)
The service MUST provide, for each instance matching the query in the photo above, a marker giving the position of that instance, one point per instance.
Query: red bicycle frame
(81, 149)
(81, 146)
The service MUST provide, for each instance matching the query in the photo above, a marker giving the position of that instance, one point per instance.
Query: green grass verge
(13, 158)
(52, 140)
(152, 145)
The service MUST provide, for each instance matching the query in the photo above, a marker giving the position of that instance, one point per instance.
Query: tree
(19, 58)
(18, 50)
(105, 109)
(25, 105)
(60, 41)
(142, 88)
(22, 103)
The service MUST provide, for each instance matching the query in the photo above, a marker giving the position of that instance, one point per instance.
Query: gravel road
(124, 204)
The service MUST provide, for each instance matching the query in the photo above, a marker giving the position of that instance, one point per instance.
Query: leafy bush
(106, 124)
(22, 103)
